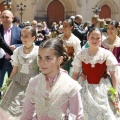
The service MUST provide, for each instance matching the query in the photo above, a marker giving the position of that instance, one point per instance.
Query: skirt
(13, 99)
(96, 103)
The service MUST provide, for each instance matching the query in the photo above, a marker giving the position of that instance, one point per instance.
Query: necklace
(51, 81)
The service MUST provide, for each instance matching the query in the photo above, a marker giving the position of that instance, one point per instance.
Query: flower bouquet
(113, 95)
(3, 89)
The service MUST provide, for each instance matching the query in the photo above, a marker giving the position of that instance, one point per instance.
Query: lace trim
(110, 46)
(27, 65)
(72, 41)
(23, 58)
(64, 88)
(100, 57)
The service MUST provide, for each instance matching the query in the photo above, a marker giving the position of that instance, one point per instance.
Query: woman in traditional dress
(53, 91)
(90, 68)
(24, 61)
(71, 42)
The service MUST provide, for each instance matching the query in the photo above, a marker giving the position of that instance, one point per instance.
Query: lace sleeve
(111, 62)
(77, 46)
(76, 63)
(14, 57)
(30, 91)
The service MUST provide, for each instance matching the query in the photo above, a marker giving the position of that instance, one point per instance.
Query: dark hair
(94, 29)
(31, 30)
(16, 19)
(115, 23)
(70, 21)
(58, 47)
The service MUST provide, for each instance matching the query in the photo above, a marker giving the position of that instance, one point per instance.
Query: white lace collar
(106, 43)
(100, 56)
(71, 39)
(32, 53)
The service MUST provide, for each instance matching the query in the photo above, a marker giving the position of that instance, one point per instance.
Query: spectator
(34, 24)
(11, 34)
(54, 30)
(40, 34)
(45, 28)
(78, 30)
(94, 21)
(16, 22)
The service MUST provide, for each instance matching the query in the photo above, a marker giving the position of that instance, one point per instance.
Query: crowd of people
(63, 72)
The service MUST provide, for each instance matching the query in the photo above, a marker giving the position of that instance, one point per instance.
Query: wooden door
(2, 8)
(105, 12)
(55, 12)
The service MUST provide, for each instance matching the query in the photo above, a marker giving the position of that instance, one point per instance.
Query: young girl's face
(66, 27)
(48, 62)
(111, 30)
(94, 39)
(27, 38)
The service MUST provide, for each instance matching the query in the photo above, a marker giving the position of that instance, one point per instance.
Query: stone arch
(113, 7)
(42, 5)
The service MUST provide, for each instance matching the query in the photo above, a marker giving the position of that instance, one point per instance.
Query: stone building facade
(55, 10)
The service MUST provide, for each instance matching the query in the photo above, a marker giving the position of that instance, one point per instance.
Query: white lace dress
(64, 95)
(73, 41)
(94, 93)
(12, 101)
(73, 47)
(115, 49)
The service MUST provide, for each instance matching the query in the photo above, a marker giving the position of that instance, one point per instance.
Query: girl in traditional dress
(112, 42)
(90, 68)
(71, 42)
(24, 61)
(53, 91)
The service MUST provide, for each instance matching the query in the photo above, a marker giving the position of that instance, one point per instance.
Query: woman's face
(66, 27)
(27, 38)
(94, 21)
(95, 39)
(111, 30)
(48, 62)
